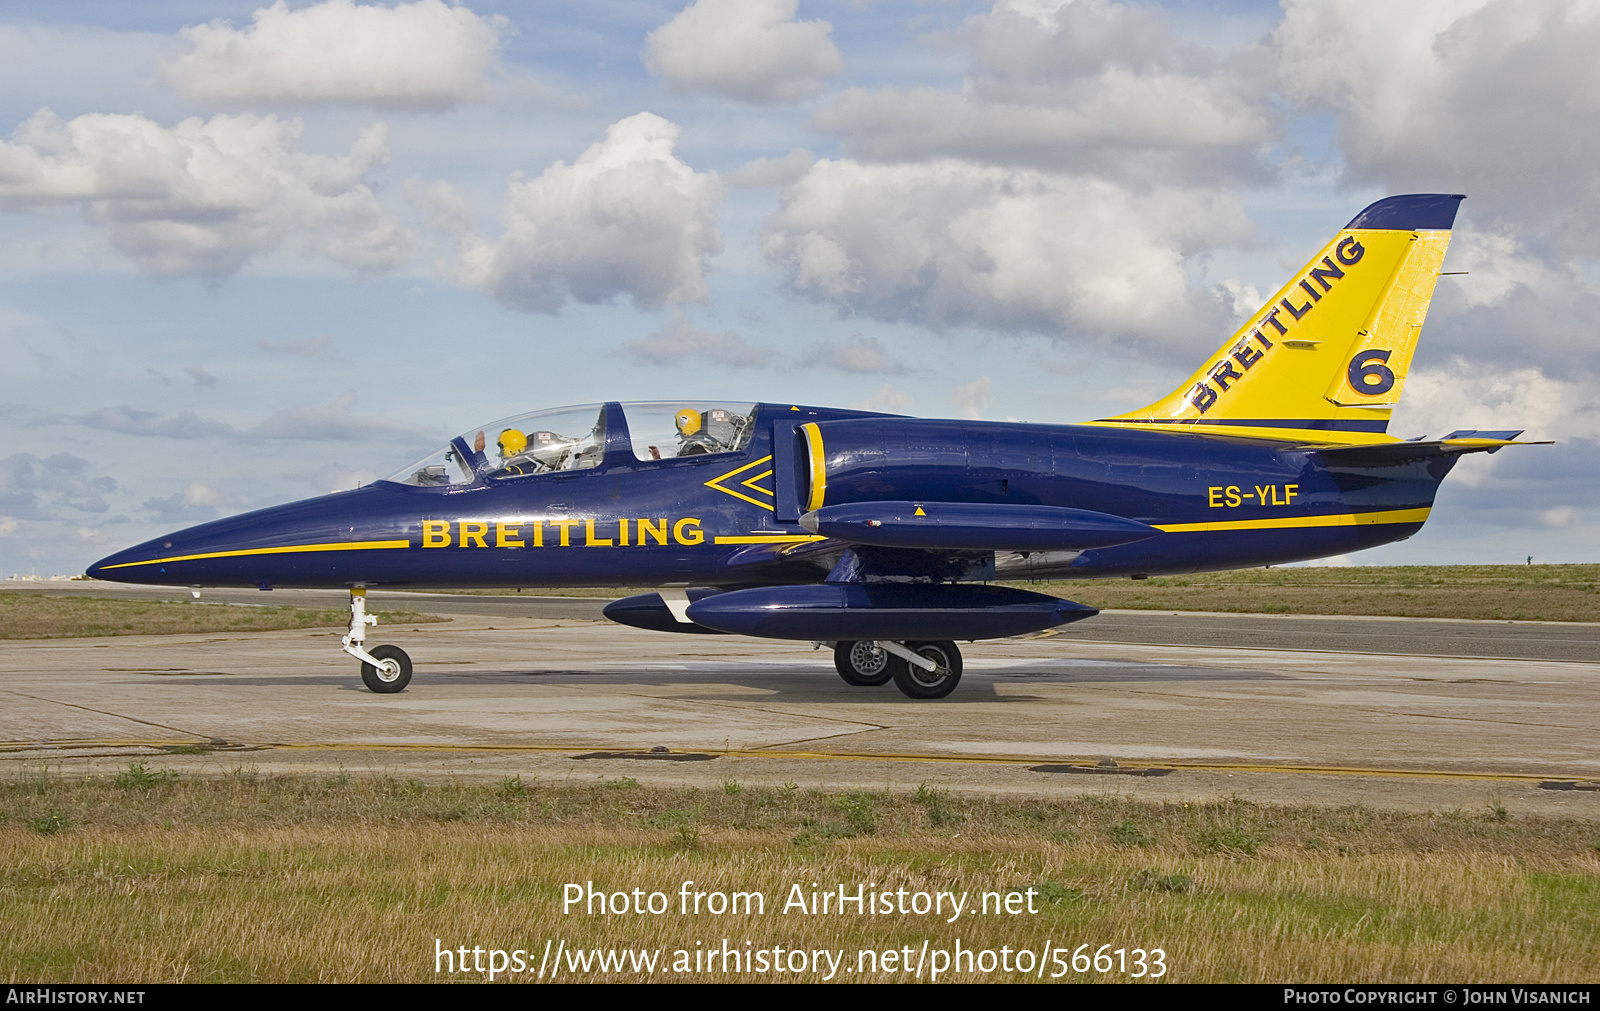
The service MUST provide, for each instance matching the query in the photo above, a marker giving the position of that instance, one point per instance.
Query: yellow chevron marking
(716, 483)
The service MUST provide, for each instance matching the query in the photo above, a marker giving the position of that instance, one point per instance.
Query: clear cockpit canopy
(542, 442)
(574, 438)
(669, 429)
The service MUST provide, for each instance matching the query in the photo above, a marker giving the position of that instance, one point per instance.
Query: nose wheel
(385, 669)
(391, 673)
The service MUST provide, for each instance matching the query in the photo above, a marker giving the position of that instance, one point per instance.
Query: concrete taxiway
(1388, 712)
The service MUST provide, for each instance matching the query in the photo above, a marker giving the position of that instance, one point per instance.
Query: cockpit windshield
(574, 438)
(543, 442)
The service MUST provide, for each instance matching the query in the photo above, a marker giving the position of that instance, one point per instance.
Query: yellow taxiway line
(1084, 762)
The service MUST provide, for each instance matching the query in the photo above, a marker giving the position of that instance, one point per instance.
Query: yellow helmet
(512, 442)
(688, 421)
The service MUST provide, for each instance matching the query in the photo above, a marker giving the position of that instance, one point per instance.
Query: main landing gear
(386, 669)
(921, 670)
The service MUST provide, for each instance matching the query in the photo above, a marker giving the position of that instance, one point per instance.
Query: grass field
(37, 616)
(1506, 592)
(141, 876)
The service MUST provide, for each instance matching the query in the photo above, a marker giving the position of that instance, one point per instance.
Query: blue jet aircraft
(883, 536)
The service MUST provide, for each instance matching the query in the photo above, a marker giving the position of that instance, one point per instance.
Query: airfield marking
(1086, 762)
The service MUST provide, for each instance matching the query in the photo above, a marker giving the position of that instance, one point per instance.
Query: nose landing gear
(386, 669)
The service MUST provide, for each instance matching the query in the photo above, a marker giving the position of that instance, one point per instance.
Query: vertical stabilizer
(1326, 358)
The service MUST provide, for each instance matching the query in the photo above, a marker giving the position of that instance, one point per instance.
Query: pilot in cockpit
(713, 431)
(692, 435)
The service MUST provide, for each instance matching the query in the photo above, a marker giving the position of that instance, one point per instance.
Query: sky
(250, 254)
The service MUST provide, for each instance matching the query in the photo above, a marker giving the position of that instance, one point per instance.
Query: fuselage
(732, 518)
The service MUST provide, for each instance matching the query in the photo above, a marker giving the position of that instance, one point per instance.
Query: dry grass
(143, 877)
(38, 616)
(1497, 592)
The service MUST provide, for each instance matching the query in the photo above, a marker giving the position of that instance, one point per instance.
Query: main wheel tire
(864, 663)
(393, 676)
(916, 683)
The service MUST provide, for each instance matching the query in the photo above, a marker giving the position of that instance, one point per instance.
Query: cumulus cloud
(1089, 86)
(972, 398)
(680, 341)
(748, 49)
(885, 399)
(134, 421)
(859, 353)
(194, 504)
(205, 196)
(38, 488)
(626, 218)
(1464, 395)
(422, 55)
(948, 243)
(1497, 99)
(772, 171)
(337, 420)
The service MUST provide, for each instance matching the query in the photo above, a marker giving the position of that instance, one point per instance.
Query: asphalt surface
(1385, 712)
(1512, 640)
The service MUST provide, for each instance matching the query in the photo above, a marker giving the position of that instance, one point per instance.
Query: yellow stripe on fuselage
(770, 539)
(340, 546)
(1292, 522)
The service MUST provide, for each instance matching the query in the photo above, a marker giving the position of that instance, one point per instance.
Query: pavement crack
(102, 712)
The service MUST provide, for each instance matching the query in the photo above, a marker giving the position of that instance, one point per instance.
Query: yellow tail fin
(1325, 359)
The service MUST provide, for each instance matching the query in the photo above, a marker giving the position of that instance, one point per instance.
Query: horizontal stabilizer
(1454, 444)
(973, 526)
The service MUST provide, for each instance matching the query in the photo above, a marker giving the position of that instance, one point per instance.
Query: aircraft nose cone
(126, 566)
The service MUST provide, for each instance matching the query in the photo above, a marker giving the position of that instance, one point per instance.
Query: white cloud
(204, 197)
(1499, 99)
(972, 398)
(337, 420)
(422, 55)
(1086, 87)
(950, 243)
(626, 218)
(680, 341)
(1462, 395)
(859, 353)
(1560, 516)
(134, 421)
(747, 49)
(59, 480)
(885, 399)
(772, 171)
(8, 526)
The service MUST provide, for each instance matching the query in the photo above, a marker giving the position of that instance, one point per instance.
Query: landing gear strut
(921, 670)
(386, 669)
